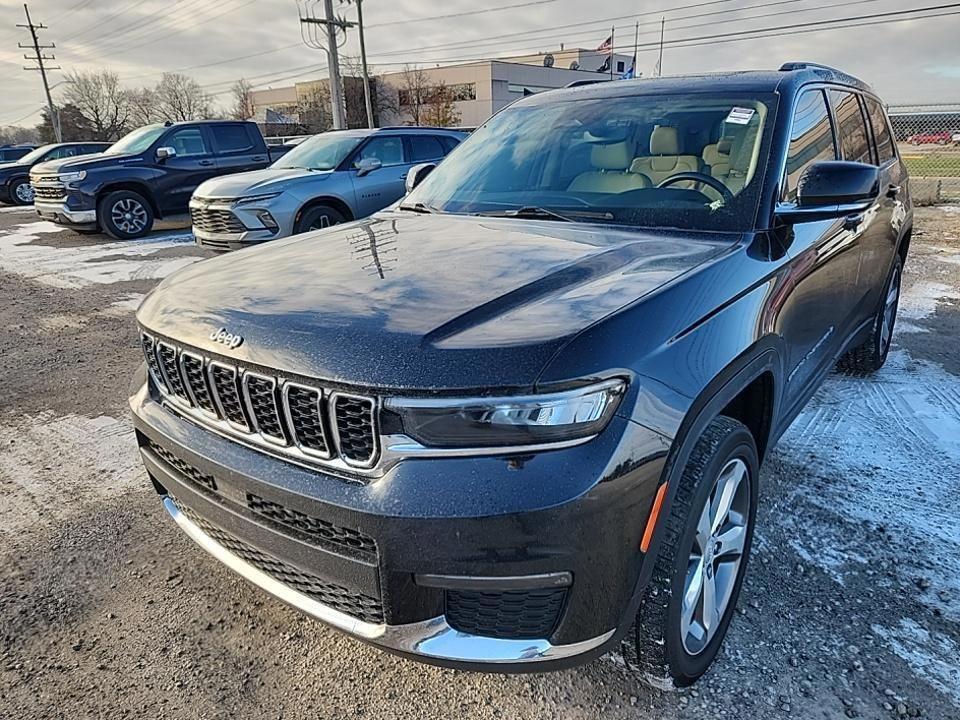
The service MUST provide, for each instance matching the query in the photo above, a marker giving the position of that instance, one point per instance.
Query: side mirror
(416, 174)
(367, 165)
(166, 152)
(832, 189)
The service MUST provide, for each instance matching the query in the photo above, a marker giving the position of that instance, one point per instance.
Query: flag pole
(610, 57)
(660, 61)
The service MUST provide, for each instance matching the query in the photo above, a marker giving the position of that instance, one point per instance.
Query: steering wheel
(699, 177)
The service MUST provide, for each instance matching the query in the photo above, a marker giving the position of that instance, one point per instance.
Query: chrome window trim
(203, 376)
(245, 384)
(375, 427)
(321, 416)
(185, 401)
(215, 392)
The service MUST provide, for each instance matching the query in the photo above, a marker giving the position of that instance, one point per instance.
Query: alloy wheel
(890, 311)
(24, 193)
(129, 216)
(716, 556)
(323, 221)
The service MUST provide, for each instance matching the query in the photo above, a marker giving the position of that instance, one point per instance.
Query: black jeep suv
(517, 421)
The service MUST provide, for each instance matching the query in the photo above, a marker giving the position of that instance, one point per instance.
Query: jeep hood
(258, 182)
(421, 301)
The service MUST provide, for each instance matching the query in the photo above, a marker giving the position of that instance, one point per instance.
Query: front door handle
(258, 158)
(852, 222)
(893, 190)
(206, 162)
(403, 177)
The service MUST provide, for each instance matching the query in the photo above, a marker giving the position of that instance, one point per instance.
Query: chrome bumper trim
(79, 217)
(432, 638)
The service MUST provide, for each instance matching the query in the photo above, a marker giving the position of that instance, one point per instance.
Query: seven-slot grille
(216, 220)
(307, 422)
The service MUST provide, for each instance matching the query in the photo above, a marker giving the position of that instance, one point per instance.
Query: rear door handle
(893, 190)
(206, 162)
(259, 158)
(403, 177)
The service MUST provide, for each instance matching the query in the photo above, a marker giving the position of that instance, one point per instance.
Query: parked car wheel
(125, 215)
(21, 192)
(872, 354)
(317, 218)
(702, 560)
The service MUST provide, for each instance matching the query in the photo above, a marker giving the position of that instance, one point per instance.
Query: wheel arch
(133, 186)
(333, 201)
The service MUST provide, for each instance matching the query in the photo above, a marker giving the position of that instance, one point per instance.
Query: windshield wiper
(532, 211)
(420, 208)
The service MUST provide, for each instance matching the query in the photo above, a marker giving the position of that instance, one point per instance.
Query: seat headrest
(724, 145)
(717, 152)
(664, 141)
(610, 156)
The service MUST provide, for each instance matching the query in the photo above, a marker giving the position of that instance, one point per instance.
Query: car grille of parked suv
(215, 220)
(48, 192)
(305, 423)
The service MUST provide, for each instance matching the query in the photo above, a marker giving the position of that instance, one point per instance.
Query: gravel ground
(851, 607)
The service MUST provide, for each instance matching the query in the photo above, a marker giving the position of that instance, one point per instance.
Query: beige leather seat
(717, 158)
(665, 159)
(611, 175)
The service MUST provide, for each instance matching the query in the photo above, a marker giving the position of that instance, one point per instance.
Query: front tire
(317, 218)
(870, 356)
(21, 192)
(702, 560)
(125, 215)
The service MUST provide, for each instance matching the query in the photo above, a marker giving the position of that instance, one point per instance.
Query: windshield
(612, 160)
(34, 155)
(136, 141)
(321, 152)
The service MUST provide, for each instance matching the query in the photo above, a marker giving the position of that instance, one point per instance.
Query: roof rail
(803, 65)
(580, 83)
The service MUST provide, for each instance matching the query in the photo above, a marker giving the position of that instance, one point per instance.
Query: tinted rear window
(425, 147)
(854, 140)
(232, 138)
(881, 130)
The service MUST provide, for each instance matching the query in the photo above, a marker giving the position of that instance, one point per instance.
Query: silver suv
(329, 179)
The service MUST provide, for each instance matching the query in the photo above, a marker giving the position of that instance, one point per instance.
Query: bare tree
(16, 134)
(440, 110)
(383, 97)
(143, 107)
(314, 109)
(180, 97)
(98, 97)
(242, 100)
(414, 92)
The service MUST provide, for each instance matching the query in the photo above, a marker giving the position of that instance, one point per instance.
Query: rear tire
(703, 554)
(317, 218)
(869, 356)
(21, 193)
(125, 215)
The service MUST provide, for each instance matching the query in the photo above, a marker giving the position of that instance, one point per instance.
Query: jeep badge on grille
(221, 336)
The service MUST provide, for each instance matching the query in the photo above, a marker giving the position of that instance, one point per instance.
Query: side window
(232, 138)
(811, 139)
(854, 140)
(187, 142)
(63, 152)
(448, 143)
(881, 130)
(388, 149)
(425, 147)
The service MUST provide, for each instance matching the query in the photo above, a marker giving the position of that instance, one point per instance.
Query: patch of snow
(78, 267)
(17, 209)
(950, 209)
(933, 657)
(100, 453)
(922, 299)
(123, 307)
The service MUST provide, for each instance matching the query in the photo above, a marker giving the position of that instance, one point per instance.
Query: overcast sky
(912, 61)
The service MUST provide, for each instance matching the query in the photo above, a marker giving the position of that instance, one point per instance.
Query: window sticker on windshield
(740, 116)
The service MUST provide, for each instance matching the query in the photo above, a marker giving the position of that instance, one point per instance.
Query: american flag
(606, 44)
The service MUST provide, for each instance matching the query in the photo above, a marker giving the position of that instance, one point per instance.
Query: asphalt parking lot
(851, 606)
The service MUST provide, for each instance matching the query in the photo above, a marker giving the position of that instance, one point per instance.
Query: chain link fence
(929, 140)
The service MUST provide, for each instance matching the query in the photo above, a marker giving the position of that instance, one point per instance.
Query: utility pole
(363, 63)
(660, 59)
(38, 57)
(331, 24)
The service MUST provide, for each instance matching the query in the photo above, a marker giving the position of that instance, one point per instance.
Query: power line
(21, 119)
(391, 23)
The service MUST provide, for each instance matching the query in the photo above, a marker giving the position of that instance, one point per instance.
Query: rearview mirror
(166, 152)
(832, 189)
(367, 165)
(416, 175)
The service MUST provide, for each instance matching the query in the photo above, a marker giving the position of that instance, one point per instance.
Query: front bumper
(221, 225)
(60, 213)
(431, 533)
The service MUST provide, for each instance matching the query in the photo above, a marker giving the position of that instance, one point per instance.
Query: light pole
(363, 64)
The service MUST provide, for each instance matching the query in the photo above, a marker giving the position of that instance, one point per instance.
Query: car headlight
(72, 176)
(509, 421)
(256, 198)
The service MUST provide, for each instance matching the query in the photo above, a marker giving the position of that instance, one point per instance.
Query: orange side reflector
(652, 520)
